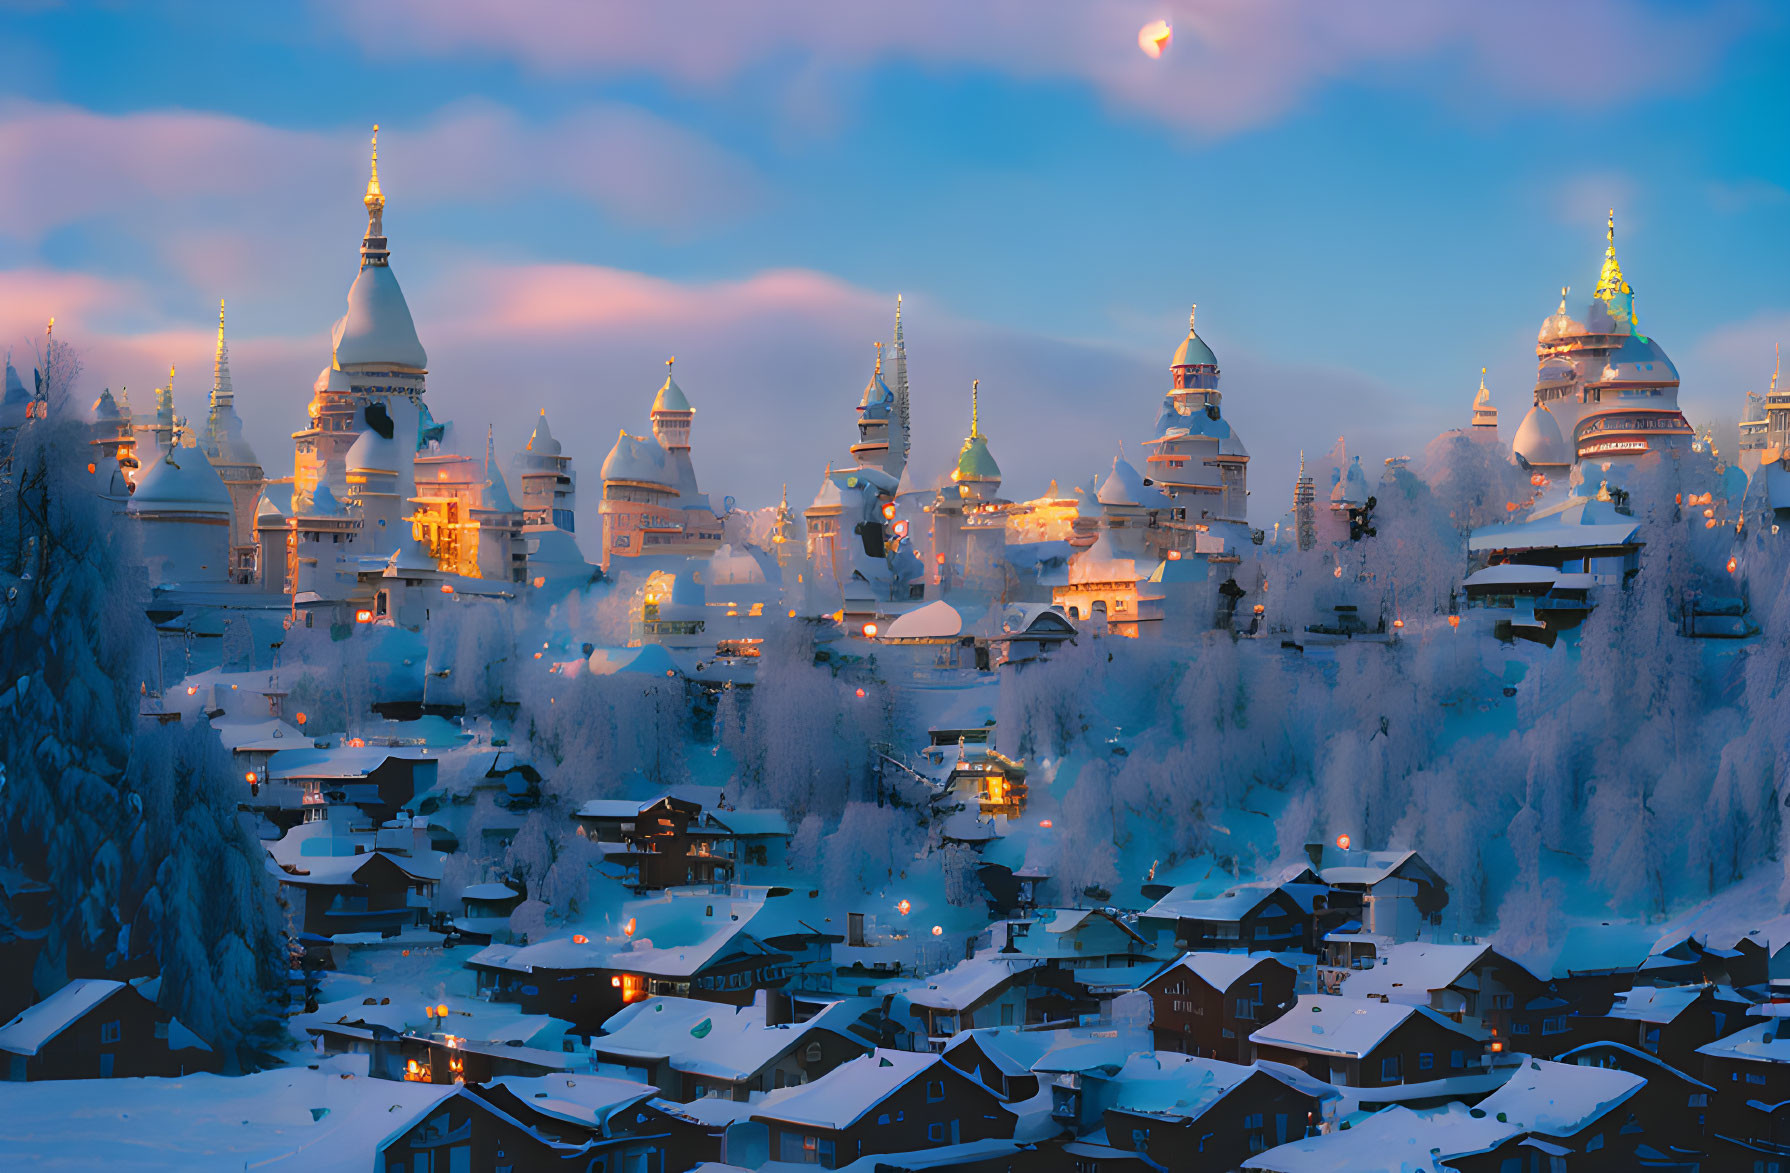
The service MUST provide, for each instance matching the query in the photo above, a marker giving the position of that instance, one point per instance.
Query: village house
(1466, 982)
(1380, 1053)
(1576, 1118)
(653, 843)
(1750, 1072)
(97, 1029)
(750, 838)
(1260, 917)
(986, 990)
(1673, 1106)
(1393, 894)
(690, 1050)
(1670, 1022)
(1189, 1113)
(369, 892)
(1207, 1004)
(884, 1102)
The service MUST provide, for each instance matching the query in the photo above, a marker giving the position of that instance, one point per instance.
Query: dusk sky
(1368, 202)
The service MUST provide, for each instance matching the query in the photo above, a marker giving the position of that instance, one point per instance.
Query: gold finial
(1190, 316)
(668, 363)
(975, 408)
(879, 350)
(50, 328)
(1563, 292)
(898, 309)
(220, 321)
(1777, 352)
(374, 195)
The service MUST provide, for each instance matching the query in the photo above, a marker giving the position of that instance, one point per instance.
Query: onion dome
(671, 396)
(1560, 324)
(331, 381)
(1640, 360)
(636, 458)
(375, 452)
(542, 443)
(182, 481)
(1539, 440)
(1193, 351)
(974, 461)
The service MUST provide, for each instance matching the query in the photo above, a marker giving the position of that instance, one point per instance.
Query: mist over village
(1021, 588)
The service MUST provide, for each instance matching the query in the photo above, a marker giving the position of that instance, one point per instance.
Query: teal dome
(976, 462)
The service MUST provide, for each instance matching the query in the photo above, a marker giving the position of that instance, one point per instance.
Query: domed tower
(375, 354)
(1485, 416)
(183, 511)
(968, 515)
(549, 487)
(1196, 458)
(223, 444)
(876, 419)
(1612, 391)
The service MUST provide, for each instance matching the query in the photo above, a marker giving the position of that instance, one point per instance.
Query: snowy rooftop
(1219, 970)
(37, 1025)
(1407, 972)
(1328, 1025)
(1762, 1042)
(712, 1039)
(1560, 1099)
(1394, 1138)
(1655, 1004)
(968, 982)
(838, 1099)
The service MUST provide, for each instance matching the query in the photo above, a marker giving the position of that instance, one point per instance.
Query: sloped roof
(840, 1098)
(1353, 1027)
(36, 1025)
(377, 329)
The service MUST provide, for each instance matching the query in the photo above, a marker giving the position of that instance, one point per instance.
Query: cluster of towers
(383, 502)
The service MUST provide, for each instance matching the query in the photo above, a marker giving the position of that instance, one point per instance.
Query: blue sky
(1368, 201)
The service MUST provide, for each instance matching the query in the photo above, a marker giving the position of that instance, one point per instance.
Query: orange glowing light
(616, 982)
(938, 930)
(1398, 623)
(92, 468)
(1259, 608)
(792, 614)
(1044, 822)
(580, 939)
(540, 581)
(537, 655)
(363, 616)
(1733, 565)
(1454, 621)
(860, 694)
(629, 927)
(1154, 38)
(300, 718)
(441, 1011)
(447, 588)
(1496, 1047)
(904, 908)
(1337, 572)
(1174, 555)
(192, 690)
(870, 631)
(1342, 842)
(251, 776)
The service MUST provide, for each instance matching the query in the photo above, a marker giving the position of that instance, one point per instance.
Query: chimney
(779, 1007)
(1315, 853)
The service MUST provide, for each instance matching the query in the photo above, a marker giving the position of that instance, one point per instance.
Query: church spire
(975, 408)
(372, 249)
(901, 402)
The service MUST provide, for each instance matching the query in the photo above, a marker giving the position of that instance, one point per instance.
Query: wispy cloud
(1233, 64)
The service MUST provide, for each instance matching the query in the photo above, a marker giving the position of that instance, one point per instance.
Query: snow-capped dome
(373, 453)
(1539, 440)
(542, 443)
(330, 379)
(1640, 360)
(377, 328)
(1123, 486)
(671, 397)
(182, 481)
(975, 462)
(1560, 324)
(231, 446)
(636, 458)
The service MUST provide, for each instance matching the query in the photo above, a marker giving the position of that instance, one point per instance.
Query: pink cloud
(171, 169)
(1233, 63)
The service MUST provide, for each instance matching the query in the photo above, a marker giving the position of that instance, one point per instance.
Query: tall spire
(901, 402)
(1192, 312)
(1777, 365)
(221, 391)
(1609, 281)
(372, 249)
(975, 408)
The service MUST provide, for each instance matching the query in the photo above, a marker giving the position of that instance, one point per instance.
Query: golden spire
(975, 408)
(375, 198)
(1609, 281)
(1777, 352)
(879, 347)
(220, 324)
(1563, 291)
(1484, 397)
(668, 363)
(1190, 316)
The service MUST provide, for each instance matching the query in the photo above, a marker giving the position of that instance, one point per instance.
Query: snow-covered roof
(181, 481)
(1329, 1025)
(1575, 523)
(1766, 1041)
(581, 1098)
(646, 660)
(1181, 903)
(1123, 486)
(936, 620)
(968, 982)
(637, 458)
(1512, 574)
(1219, 970)
(1655, 1003)
(377, 328)
(765, 821)
(1407, 972)
(1394, 1138)
(840, 1098)
(1560, 1099)
(541, 441)
(713, 1039)
(1175, 1086)
(36, 1025)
